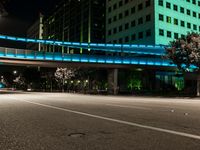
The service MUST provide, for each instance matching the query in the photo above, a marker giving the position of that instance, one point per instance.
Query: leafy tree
(185, 51)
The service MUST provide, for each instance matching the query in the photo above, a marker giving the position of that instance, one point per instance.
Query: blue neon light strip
(59, 57)
(121, 48)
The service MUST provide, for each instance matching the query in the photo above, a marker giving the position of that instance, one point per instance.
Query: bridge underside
(53, 64)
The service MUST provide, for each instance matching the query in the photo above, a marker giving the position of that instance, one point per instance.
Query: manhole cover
(76, 135)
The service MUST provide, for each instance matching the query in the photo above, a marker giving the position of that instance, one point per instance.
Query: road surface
(54, 121)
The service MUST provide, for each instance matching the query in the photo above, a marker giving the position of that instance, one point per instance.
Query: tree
(19, 81)
(185, 52)
(63, 74)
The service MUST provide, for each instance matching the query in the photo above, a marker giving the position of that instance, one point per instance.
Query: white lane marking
(197, 137)
(124, 106)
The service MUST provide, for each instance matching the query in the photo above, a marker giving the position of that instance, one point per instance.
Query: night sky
(21, 14)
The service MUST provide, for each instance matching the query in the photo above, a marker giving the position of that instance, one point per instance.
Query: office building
(150, 21)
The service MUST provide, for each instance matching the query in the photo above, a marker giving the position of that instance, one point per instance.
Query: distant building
(150, 21)
(35, 31)
(77, 21)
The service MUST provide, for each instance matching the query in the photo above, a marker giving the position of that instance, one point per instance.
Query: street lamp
(15, 72)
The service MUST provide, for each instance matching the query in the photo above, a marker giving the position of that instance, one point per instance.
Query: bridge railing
(113, 48)
(11, 53)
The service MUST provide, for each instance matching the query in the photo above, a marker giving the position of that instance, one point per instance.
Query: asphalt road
(44, 121)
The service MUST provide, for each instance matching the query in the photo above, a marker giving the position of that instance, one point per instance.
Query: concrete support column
(113, 81)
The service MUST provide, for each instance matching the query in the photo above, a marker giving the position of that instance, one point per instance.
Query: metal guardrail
(47, 56)
(116, 48)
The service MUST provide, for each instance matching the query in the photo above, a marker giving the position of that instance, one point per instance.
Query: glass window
(168, 19)
(175, 7)
(140, 35)
(168, 5)
(161, 17)
(126, 13)
(148, 32)
(189, 25)
(133, 23)
(133, 10)
(194, 27)
(161, 32)
(188, 12)
(120, 15)
(115, 30)
(176, 35)
(182, 10)
(120, 28)
(194, 2)
(169, 34)
(133, 37)
(140, 20)
(126, 1)
(120, 3)
(114, 6)
(182, 23)
(160, 2)
(126, 26)
(148, 18)
(175, 21)
(148, 3)
(126, 39)
(140, 7)
(194, 14)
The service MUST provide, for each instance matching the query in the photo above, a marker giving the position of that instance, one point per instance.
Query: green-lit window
(115, 18)
(161, 17)
(168, 5)
(194, 14)
(189, 25)
(175, 21)
(182, 23)
(199, 15)
(169, 20)
(176, 35)
(194, 2)
(160, 2)
(198, 3)
(188, 1)
(182, 10)
(175, 7)
(133, 23)
(161, 32)
(169, 34)
(109, 9)
(188, 12)
(194, 27)
(182, 36)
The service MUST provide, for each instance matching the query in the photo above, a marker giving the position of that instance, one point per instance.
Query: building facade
(77, 21)
(150, 21)
(35, 31)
